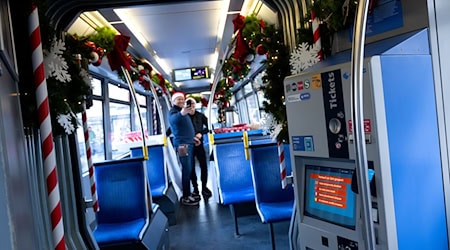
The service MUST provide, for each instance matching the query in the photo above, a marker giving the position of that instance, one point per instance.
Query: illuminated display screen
(199, 73)
(182, 74)
(328, 195)
(190, 74)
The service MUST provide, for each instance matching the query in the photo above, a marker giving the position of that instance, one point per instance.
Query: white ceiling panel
(183, 35)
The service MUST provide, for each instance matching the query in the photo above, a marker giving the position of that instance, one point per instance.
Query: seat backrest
(121, 188)
(234, 170)
(266, 173)
(156, 172)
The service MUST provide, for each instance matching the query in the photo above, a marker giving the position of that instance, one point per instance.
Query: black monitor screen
(328, 195)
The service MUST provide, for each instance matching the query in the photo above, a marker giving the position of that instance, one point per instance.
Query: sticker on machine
(303, 143)
(293, 98)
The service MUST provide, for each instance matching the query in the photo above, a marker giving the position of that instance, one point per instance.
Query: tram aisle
(210, 226)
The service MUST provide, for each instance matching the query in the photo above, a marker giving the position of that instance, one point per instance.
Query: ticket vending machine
(400, 126)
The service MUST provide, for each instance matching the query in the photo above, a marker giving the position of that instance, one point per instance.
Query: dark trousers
(186, 170)
(199, 153)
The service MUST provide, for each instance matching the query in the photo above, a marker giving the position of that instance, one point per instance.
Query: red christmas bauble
(97, 63)
(261, 50)
(100, 52)
(95, 58)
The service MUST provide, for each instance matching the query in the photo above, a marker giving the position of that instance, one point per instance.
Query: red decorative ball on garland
(261, 50)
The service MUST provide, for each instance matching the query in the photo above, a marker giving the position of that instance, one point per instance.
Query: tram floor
(211, 226)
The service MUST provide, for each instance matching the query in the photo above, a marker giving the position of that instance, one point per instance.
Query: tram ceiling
(170, 34)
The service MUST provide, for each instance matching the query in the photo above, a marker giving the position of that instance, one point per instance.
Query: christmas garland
(66, 61)
(257, 37)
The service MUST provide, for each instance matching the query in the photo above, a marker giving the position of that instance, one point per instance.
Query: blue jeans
(186, 169)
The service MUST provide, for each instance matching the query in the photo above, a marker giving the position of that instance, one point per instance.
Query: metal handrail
(358, 121)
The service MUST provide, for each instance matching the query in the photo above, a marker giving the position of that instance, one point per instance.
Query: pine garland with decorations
(277, 68)
(66, 60)
(262, 39)
(336, 14)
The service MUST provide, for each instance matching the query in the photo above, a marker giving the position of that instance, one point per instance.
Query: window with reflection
(94, 120)
(248, 88)
(118, 93)
(95, 124)
(261, 98)
(142, 100)
(253, 109)
(243, 112)
(137, 123)
(96, 87)
(120, 128)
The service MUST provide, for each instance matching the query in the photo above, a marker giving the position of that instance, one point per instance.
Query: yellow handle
(165, 141)
(145, 150)
(245, 134)
(211, 139)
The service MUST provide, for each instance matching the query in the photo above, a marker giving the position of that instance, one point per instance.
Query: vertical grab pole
(133, 95)
(158, 107)
(245, 139)
(358, 117)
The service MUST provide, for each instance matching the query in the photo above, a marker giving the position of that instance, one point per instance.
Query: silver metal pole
(134, 98)
(358, 121)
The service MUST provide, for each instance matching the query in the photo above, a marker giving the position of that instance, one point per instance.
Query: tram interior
(282, 148)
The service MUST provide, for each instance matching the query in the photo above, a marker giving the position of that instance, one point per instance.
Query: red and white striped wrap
(87, 144)
(154, 117)
(282, 164)
(316, 34)
(45, 126)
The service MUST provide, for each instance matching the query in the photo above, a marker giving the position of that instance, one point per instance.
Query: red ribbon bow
(117, 57)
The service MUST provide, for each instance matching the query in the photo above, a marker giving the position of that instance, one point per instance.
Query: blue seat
(235, 176)
(156, 171)
(273, 203)
(235, 184)
(123, 217)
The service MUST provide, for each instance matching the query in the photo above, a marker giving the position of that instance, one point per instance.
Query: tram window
(243, 114)
(239, 95)
(95, 124)
(261, 98)
(253, 109)
(141, 99)
(120, 126)
(96, 87)
(143, 111)
(118, 93)
(248, 88)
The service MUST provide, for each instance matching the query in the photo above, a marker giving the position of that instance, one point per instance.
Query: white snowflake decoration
(84, 74)
(65, 120)
(55, 64)
(258, 80)
(303, 57)
(270, 126)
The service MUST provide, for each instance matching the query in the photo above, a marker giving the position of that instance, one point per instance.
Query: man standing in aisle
(200, 123)
(184, 141)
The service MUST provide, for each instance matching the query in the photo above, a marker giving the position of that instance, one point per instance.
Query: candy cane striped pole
(155, 120)
(282, 164)
(316, 34)
(45, 127)
(87, 144)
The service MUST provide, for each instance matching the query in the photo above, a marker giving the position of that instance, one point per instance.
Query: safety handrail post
(358, 121)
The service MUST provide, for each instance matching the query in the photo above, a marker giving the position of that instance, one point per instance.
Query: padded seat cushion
(235, 174)
(156, 172)
(238, 196)
(126, 232)
(275, 212)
